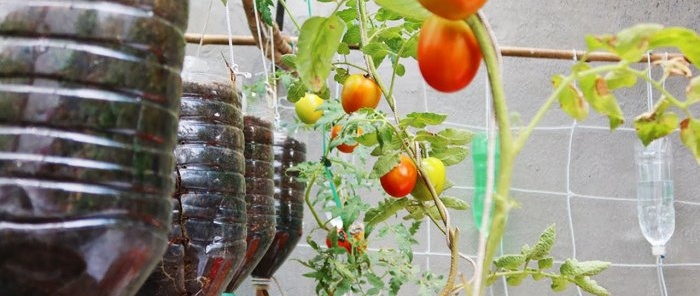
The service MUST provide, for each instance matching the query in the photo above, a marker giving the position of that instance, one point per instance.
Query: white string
(569, 194)
(234, 66)
(204, 30)
(662, 279)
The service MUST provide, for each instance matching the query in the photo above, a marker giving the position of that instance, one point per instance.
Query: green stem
(307, 194)
(528, 271)
(502, 200)
(398, 56)
(352, 65)
(289, 13)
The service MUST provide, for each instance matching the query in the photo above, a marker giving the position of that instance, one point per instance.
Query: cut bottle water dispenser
(655, 193)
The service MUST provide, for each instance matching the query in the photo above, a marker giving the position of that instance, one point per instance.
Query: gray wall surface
(577, 174)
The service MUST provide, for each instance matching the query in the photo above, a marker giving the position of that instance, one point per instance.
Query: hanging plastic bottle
(479, 158)
(655, 194)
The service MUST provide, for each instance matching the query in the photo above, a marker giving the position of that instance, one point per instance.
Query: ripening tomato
(343, 241)
(359, 92)
(345, 148)
(453, 9)
(435, 170)
(400, 181)
(448, 54)
(306, 108)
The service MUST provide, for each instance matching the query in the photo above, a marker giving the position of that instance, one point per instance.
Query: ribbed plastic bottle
(289, 204)
(89, 97)
(208, 232)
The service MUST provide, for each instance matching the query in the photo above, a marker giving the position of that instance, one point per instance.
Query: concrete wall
(579, 175)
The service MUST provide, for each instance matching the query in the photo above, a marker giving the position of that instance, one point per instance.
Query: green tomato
(306, 108)
(435, 170)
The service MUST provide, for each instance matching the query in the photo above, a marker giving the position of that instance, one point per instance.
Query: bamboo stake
(509, 51)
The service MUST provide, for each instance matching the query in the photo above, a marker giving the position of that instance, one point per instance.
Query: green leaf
(265, 10)
(510, 261)
(692, 92)
(545, 263)
(572, 267)
(589, 285)
(690, 136)
(456, 136)
(620, 79)
(400, 70)
(422, 119)
(653, 125)
(384, 164)
(378, 51)
(343, 48)
(367, 139)
(347, 15)
(353, 35)
(296, 91)
(559, 284)
(632, 43)
(340, 75)
(571, 100)
(516, 279)
(595, 90)
(386, 15)
(537, 276)
(318, 41)
(454, 203)
(544, 244)
(686, 40)
(450, 155)
(410, 9)
(375, 281)
(324, 93)
(290, 60)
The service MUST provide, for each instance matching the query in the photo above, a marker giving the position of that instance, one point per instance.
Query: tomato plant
(401, 179)
(345, 148)
(437, 175)
(453, 9)
(359, 92)
(341, 240)
(307, 108)
(448, 54)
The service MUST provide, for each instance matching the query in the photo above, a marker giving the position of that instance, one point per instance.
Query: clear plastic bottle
(655, 193)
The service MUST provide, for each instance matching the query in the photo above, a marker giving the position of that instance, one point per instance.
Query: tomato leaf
(632, 43)
(571, 100)
(686, 40)
(422, 119)
(296, 91)
(368, 139)
(353, 35)
(516, 279)
(385, 163)
(341, 75)
(318, 41)
(620, 79)
(596, 91)
(544, 244)
(455, 136)
(454, 203)
(384, 210)
(451, 155)
(589, 285)
(653, 125)
(545, 263)
(511, 261)
(265, 10)
(690, 136)
(559, 284)
(290, 60)
(410, 9)
(377, 50)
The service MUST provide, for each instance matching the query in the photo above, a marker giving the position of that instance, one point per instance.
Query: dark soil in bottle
(207, 241)
(259, 195)
(289, 196)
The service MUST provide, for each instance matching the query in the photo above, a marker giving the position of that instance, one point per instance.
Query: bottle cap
(658, 250)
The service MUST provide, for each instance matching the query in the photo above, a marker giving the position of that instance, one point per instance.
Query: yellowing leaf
(653, 125)
(690, 136)
(571, 100)
(318, 42)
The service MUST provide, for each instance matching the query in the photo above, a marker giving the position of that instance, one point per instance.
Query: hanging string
(650, 90)
(204, 30)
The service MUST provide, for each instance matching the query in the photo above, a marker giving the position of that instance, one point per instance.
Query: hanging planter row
(119, 177)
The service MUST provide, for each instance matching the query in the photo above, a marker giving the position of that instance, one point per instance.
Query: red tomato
(448, 54)
(401, 179)
(345, 148)
(343, 241)
(453, 9)
(359, 92)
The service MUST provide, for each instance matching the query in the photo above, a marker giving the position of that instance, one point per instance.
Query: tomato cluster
(448, 53)
(403, 178)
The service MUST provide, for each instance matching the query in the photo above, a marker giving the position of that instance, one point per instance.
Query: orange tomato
(401, 179)
(359, 92)
(345, 148)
